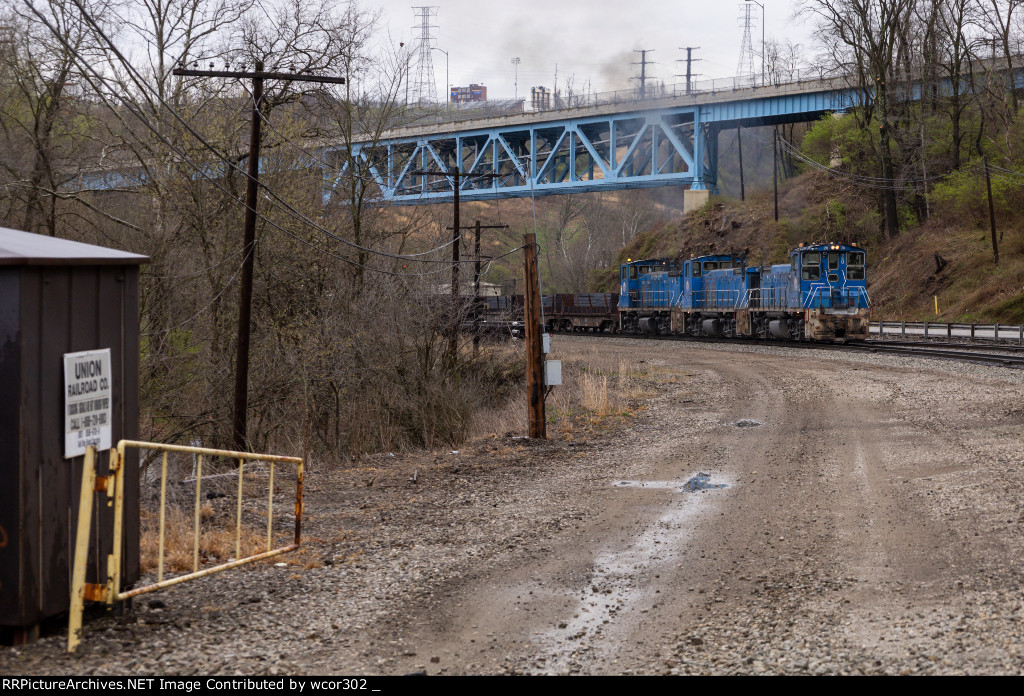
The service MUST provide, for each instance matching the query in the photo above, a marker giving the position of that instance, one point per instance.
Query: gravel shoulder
(870, 522)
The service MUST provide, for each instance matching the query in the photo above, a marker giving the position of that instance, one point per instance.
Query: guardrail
(934, 329)
(112, 485)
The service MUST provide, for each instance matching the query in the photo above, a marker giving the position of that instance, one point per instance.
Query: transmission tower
(746, 65)
(424, 87)
(643, 69)
(690, 60)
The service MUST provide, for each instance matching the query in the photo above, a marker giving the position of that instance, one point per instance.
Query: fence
(113, 488)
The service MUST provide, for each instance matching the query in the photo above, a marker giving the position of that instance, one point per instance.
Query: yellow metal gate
(113, 488)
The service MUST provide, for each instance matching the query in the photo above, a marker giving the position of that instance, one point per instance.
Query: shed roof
(28, 249)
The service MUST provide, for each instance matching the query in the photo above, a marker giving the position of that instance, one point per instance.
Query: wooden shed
(59, 297)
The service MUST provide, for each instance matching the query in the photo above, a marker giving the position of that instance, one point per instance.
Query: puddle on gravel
(702, 482)
(669, 485)
(747, 423)
(618, 584)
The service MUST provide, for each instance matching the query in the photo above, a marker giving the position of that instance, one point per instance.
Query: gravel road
(856, 514)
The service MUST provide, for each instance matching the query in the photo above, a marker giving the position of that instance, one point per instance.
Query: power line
(860, 180)
(91, 74)
(137, 78)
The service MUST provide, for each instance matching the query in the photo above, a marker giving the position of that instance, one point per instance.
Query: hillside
(904, 273)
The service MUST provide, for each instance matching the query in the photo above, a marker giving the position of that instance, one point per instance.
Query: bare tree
(996, 18)
(953, 19)
(41, 110)
(864, 36)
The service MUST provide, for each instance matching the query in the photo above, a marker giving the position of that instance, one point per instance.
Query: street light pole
(762, 39)
(447, 85)
(515, 62)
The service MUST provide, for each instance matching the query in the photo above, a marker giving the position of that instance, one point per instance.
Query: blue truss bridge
(666, 141)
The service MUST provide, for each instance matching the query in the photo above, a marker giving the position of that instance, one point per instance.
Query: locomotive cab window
(696, 269)
(833, 260)
(811, 266)
(855, 265)
(710, 266)
(632, 272)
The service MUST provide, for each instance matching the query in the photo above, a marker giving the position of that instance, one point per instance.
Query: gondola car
(584, 312)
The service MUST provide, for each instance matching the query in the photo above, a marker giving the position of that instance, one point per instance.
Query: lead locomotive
(821, 295)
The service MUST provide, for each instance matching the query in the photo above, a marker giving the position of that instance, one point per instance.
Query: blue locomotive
(820, 295)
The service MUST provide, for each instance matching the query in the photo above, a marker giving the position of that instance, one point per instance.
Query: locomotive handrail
(846, 293)
(646, 297)
(767, 298)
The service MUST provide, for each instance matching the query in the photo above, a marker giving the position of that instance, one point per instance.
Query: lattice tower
(746, 64)
(424, 87)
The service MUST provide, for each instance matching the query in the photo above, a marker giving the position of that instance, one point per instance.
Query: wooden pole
(241, 401)
(991, 212)
(739, 142)
(241, 396)
(476, 292)
(534, 346)
(477, 228)
(453, 339)
(775, 170)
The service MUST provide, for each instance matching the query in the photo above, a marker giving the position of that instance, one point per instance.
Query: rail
(930, 329)
(113, 486)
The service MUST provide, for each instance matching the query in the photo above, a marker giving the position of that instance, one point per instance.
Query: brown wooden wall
(45, 312)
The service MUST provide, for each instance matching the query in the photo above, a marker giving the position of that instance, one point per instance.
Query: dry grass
(600, 388)
(217, 522)
(216, 541)
(594, 394)
(904, 282)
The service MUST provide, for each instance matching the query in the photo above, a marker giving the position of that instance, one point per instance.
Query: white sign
(88, 415)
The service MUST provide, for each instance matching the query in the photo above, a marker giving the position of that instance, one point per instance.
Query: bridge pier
(694, 198)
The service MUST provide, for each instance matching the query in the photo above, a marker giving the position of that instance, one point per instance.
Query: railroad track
(981, 355)
(1012, 356)
(986, 346)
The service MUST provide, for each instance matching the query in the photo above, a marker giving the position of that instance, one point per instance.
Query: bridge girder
(673, 145)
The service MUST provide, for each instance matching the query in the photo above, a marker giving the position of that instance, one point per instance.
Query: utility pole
(447, 84)
(689, 60)
(775, 169)
(991, 212)
(555, 88)
(241, 396)
(747, 37)
(534, 341)
(515, 62)
(476, 280)
(457, 177)
(739, 143)
(643, 69)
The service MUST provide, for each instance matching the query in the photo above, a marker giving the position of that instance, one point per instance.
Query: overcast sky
(589, 39)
